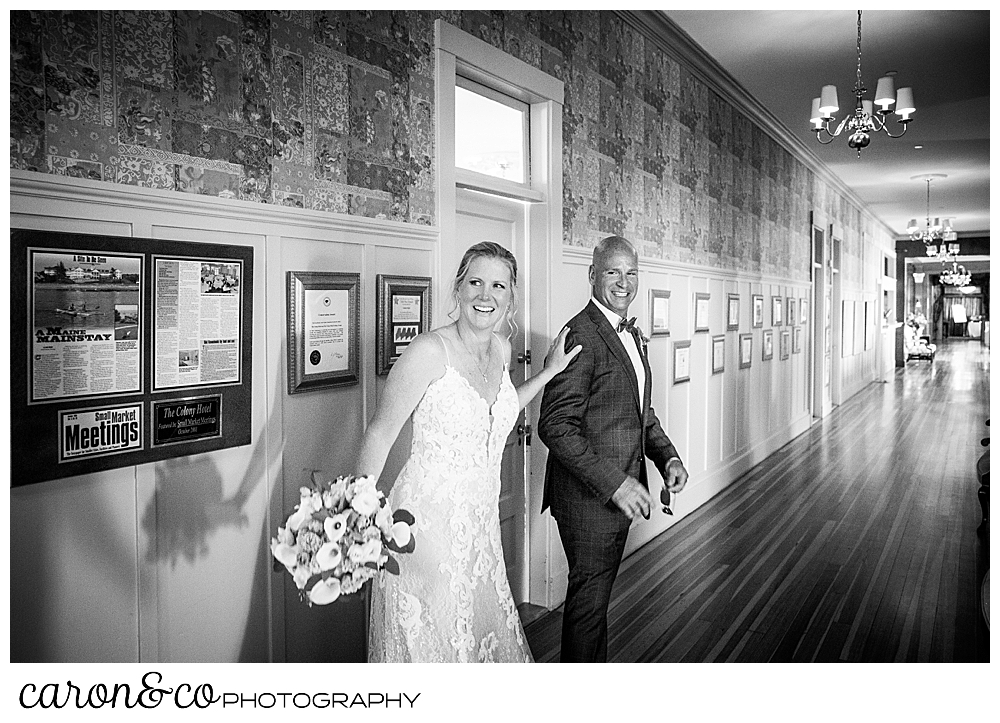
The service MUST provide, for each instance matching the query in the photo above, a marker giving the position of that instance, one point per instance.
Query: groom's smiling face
(614, 277)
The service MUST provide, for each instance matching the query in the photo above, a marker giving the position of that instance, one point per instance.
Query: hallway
(857, 542)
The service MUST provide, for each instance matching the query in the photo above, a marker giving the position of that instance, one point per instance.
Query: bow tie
(628, 326)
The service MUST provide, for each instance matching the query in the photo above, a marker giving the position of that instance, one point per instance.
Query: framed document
(659, 312)
(790, 316)
(783, 343)
(758, 311)
(733, 312)
(701, 311)
(323, 330)
(776, 307)
(803, 311)
(718, 354)
(682, 361)
(797, 340)
(746, 350)
(767, 348)
(403, 310)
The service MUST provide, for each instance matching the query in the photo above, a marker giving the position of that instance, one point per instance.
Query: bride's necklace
(482, 371)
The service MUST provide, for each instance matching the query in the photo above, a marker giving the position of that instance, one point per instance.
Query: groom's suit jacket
(596, 426)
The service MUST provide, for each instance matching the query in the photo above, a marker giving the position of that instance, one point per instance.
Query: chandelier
(933, 233)
(865, 120)
(956, 275)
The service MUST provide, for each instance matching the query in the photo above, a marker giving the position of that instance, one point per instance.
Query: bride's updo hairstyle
(490, 250)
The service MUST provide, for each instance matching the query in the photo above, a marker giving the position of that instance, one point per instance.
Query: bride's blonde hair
(490, 250)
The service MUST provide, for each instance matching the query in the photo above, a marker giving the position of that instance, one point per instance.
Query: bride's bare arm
(556, 361)
(421, 363)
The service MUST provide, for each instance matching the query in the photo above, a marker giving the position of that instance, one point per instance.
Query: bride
(451, 601)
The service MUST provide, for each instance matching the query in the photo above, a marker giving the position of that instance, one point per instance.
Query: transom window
(491, 132)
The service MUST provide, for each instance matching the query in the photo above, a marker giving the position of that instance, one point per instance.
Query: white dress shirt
(631, 346)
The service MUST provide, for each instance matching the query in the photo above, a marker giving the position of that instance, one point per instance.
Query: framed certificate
(682, 361)
(701, 311)
(776, 309)
(659, 312)
(746, 350)
(767, 348)
(758, 311)
(733, 312)
(323, 330)
(718, 354)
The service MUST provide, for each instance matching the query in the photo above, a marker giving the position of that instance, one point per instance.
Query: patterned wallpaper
(333, 111)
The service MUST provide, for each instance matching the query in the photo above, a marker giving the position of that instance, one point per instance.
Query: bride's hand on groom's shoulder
(558, 358)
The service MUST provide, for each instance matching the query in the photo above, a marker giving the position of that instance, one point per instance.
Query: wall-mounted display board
(126, 351)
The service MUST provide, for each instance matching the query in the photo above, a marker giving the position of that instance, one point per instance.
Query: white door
(486, 217)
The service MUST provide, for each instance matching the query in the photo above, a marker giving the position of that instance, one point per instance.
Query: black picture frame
(767, 345)
(777, 307)
(322, 309)
(402, 311)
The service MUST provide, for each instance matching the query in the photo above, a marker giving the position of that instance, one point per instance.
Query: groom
(598, 425)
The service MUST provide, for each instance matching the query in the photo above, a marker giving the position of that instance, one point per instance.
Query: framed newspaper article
(109, 334)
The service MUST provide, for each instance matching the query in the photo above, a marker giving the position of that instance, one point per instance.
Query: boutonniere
(643, 339)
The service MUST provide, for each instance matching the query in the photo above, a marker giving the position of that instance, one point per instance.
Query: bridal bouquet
(340, 536)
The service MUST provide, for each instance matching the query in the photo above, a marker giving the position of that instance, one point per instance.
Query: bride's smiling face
(484, 293)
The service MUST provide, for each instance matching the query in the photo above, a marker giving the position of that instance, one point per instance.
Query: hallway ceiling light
(865, 120)
(932, 233)
(956, 275)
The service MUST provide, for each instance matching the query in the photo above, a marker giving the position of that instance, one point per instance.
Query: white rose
(366, 502)
(366, 552)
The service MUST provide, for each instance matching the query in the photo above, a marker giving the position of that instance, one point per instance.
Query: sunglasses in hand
(665, 500)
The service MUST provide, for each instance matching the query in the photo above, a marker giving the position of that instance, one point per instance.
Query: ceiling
(783, 58)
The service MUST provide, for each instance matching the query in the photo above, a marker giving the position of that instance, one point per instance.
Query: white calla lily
(329, 556)
(401, 534)
(284, 553)
(335, 526)
(325, 591)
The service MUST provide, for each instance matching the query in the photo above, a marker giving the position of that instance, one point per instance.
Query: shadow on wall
(189, 507)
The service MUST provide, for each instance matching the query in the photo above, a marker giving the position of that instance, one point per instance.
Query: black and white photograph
(342, 339)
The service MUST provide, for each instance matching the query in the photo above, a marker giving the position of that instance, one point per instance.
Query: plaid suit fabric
(594, 424)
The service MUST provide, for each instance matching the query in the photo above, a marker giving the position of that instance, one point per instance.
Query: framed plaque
(746, 350)
(790, 315)
(403, 310)
(682, 361)
(776, 309)
(784, 342)
(323, 330)
(659, 312)
(758, 311)
(733, 312)
(701, 311)
(718, 354)
(767, 347)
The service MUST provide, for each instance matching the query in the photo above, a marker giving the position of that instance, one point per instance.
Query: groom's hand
(676, 476)
(632, 498)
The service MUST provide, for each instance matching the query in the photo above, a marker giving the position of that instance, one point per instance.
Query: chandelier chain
(860, 88)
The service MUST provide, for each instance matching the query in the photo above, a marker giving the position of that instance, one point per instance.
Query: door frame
(459, 52)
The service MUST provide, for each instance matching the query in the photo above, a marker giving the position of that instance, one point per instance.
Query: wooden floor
(858, 541)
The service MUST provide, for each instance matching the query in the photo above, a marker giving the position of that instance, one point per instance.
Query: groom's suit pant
(594, 556)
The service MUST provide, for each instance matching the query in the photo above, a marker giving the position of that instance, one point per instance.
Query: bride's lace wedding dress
(451, 601)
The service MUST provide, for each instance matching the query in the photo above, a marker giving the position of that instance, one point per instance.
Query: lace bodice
(452, 600)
